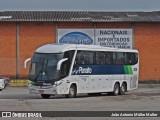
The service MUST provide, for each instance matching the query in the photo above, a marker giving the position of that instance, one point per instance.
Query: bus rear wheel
(72, 92)
(123, 89)
(116, 89)
(45, 96)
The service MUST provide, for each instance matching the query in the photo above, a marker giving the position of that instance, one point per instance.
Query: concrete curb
(149, 81)
(148, 85)
(18, 83)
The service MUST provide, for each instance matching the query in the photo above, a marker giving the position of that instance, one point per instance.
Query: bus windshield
(44, 67)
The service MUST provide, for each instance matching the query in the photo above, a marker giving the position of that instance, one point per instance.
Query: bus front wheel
(45, 96)
(72, 92)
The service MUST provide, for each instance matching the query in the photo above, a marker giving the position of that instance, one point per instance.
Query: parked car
(2, 84)
(6, 80)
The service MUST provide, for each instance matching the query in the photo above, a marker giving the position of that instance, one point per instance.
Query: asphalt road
(146, 98)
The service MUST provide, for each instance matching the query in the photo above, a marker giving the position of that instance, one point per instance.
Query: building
(21, 32)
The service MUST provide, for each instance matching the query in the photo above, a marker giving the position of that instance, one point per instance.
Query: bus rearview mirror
(60, 63)
(26, 61)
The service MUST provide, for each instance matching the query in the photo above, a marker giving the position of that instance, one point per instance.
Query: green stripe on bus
(128, 69)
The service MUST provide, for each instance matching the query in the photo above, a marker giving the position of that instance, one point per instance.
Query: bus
(70, 69)
(2, 84)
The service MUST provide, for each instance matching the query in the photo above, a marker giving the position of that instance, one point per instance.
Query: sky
(80, 5)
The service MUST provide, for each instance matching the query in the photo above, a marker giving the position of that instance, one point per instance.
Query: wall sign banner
(117, 38)
(76, 36)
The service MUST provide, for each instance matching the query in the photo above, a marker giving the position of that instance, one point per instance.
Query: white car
(2, 84)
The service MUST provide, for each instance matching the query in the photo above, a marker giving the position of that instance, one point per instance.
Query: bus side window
(84, 57)
(128, 58)
(131, 58)
(100, 58)
(80, 58)
(109, 58)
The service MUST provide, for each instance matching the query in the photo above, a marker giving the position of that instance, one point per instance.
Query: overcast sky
(78, 5)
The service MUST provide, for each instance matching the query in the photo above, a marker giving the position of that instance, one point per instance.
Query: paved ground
(146, 98)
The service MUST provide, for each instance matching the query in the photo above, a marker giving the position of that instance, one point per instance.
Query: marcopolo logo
(76, 38)
(85, 70)
(82, 70)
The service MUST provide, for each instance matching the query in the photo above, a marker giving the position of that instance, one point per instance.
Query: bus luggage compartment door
(83, 84)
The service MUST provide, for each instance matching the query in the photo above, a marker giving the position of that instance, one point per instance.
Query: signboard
(76, 36)
(117, 38)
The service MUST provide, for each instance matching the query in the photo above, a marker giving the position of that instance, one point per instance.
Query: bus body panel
(42, 90)
(2, 84)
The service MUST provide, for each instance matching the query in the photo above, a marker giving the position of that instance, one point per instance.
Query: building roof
(79, 16)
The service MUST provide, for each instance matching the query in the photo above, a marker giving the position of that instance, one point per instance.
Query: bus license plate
(41, 91)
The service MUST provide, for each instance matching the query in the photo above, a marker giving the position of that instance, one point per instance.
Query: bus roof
(59, 48)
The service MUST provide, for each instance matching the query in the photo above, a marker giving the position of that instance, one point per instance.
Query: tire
(1, 89)
(45, 96)
(123, 89)
(116, 89)
(72, 92)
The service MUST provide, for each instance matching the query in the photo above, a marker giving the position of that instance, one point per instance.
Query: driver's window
(65, 67)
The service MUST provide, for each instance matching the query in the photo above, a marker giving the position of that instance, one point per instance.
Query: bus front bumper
(42, 90)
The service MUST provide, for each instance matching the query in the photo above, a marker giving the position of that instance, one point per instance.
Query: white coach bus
(69, 69)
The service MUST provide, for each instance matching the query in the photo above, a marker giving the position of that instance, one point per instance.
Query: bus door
(104, 83)
(93, 84)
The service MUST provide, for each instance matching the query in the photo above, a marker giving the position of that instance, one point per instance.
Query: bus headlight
(58, 83)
